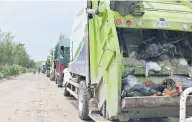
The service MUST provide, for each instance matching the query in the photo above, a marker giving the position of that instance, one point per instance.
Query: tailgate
(153, 106)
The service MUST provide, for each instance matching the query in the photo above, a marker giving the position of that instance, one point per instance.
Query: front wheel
(83, 101)
(59, 82)
(48, 73)
(51, 78)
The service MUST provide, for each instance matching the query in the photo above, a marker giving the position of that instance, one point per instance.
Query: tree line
(12, 53)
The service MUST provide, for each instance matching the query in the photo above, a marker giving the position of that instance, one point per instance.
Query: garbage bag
(154, 50)
(131, 87)
(169, 84)
(158, 87)
(186, 81)
(152, 66)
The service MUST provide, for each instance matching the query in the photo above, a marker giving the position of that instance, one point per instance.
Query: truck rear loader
(117, 42)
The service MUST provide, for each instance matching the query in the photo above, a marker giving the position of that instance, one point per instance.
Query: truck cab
(117, 42)
(61, 59)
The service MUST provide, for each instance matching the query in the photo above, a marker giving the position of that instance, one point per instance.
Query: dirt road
(33, 98)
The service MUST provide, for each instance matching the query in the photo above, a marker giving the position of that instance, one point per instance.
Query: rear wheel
(51, 77)
(56, 79)
(65, 92)
(48, 73)
(83, 101)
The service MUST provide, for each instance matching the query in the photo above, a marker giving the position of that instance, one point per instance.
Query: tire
(59, 82)
(48, 75)
(51, 78)
(83, 101)
(56, 80)
(65, 92)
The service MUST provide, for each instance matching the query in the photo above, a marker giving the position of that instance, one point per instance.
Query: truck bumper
(154, 106)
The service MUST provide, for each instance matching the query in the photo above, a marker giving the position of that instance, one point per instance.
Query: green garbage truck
(48, 65)
(52, 65)
(130, 59)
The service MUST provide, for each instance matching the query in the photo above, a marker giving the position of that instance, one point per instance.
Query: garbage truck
(61, 59)
(130, 59)
(48, 65)
(52, 65)
(43, 68)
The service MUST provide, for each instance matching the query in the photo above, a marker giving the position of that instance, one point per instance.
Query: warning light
(128, 22)
(118, 22)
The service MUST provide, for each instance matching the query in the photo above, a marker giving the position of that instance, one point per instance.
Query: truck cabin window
(62, 50)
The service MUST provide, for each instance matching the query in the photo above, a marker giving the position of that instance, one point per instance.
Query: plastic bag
(131, 87)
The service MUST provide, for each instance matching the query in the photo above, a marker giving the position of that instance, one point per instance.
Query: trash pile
(171, 86)
(161, 45)
(156, 50)
(163, 53)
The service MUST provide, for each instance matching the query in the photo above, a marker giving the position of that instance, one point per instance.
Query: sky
(37, 24)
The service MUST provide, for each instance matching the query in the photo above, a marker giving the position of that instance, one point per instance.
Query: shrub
(1, 75)
(7, 71)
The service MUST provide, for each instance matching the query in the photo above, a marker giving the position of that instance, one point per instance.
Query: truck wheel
(52, 78)
(47, 74)
(83, 100)
(59, 82)
(56, 80)
(65, 92)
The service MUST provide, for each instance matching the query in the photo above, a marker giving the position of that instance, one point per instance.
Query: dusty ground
(33, 98)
